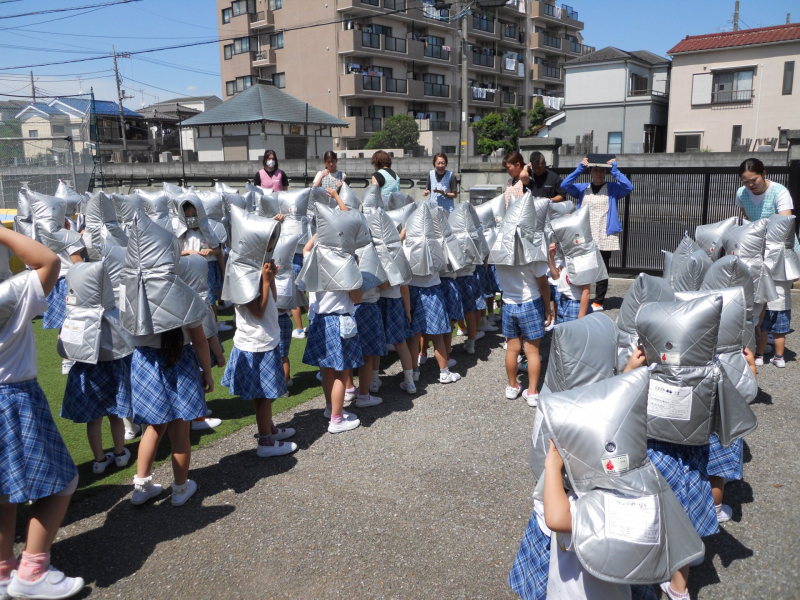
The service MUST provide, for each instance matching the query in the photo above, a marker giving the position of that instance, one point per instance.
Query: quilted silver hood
(423, 250)
(215, 212)
(572, 235)
(691, 272)
(349, 197)
(173, 191)
(709, 237)
(466, 226)
(400, 215)
(372, 272)
(253, 241)
(5, 267)
(155, 298)
(520, 237)
(267, 206)
(456, 259)
(23, 220)
(224, 188)
(673, 261)
(556, 210)
(295, 206)
(126, 206)
(397, 200)
(49, 214)
(371, 199)
(100, 226)
(11, 292)
(193, 270)
(729, 272)
(389, 247)
(748, 242)
(114, 259)
(70, 196)
(781, 242)
(203, 224)
(244, 202)
(331, 264)
(645, 288)
(158, 206)
(288, 296)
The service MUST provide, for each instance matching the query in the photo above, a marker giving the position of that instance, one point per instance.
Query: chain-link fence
(45, 141)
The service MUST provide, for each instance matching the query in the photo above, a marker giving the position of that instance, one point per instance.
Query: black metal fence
(665, 203)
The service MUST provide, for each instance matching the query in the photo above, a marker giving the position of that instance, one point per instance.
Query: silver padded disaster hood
(155, 298)
(369, 263)
(780, 256)
(100, 226)
(628, 526)
(727, 272)
(288, 296)
(11, 292)
(689, 275)
(23, 220)
(645, 288)
(5, 266)
(572, 235)
(451, 247)
(193, 270)
(49, 214)
(202, 222)
(215, 212)
(73, 199)
(673, 261)
(223, 188)
(253, 241)
(423, 250)
(400, 215)
(349, 197)
(389, 247)
(295, 206)
(709, 237)
(748, 242)
(371, 199)
(520, 236)
(126, 205)
(92, 331)
(158, 206)
(397, 200)
(465, 225)
(331, 264)
(114, 260)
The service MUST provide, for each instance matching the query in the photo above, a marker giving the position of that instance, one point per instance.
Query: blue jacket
(617, 190)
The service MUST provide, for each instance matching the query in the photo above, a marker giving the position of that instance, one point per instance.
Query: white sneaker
(512, 393)
(223, 326)
(206, 424)
(597, 307)
(277, 449)
(416, 374)
(100, 467)
(53, 584)
(122, 461)
(345, 415)
(374, 386)
(349, 395)
(423, 358)
(488, 327)
(460, 332)
(133, 433)
(551, 326)
(343, 425)
(182, 493)
(480, 335)
(390, 348)
(299, 334)
(449, 377)
(492, 318)
(724, 513)
(531, 399)
(670, 593)
(370, 400)
(469, 347)
(451, 362)
(778, 362)
(66, 365)
(144, 489)
(759, 361)
(283, 433)
(505, 344)
(408, 387)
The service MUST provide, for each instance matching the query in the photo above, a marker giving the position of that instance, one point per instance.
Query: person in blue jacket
(602, 197)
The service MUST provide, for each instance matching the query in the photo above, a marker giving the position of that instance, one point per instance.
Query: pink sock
(351, 390)
(336, 418)
(6, 566)
(266, 440)
(33, 566)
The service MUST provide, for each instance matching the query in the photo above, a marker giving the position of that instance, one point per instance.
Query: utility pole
(736, 17)
(464, 91)
(120, 97)
(33, 88)
(788, 18)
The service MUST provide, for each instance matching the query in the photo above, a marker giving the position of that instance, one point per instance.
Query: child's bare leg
(512, 351)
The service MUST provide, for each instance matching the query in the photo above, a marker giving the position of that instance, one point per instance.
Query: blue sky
(627, 24)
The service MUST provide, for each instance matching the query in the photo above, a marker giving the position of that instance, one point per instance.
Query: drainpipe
(758, 104)
(624, 107)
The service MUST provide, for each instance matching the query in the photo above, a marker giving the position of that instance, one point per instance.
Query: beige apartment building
(736, 90)
(378, 58)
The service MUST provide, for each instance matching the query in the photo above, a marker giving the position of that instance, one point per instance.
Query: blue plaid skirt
(370, 329)
(526, 320)
(396, 327)
(253, 375)
(214, 281)
(685, 469)
(777, 321)
(285, 324)
(569, 309)
(428, 314)
(554, 296)
(726, 462)
(326, 348)
(531, 568)
(56, 306)
(98, 390)
(491, 284)
(452, 299)
(297, 263)
(35, 463)
(161, 394)
(470, 292)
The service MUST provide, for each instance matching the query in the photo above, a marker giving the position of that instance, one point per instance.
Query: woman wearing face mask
(271, 177)
(602, 198)
(442, 184)
(330, 177)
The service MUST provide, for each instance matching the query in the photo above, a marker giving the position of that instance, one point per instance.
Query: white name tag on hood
(72, 331)
(585, 262)
(634, 520)
(669, 401)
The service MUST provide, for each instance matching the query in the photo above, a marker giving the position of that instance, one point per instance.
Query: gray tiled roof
(609, 53)
(263, 102)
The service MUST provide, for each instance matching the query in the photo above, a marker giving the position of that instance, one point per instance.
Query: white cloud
(191, 88)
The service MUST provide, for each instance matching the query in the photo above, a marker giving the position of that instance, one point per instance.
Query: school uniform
(523, 308)
(469, 292)
(778, 316)
(326, 346)
(428, 312)
(569, 303)
(396, 327)
(98, 390)
(726, 462)
(36, 462)
(369, 321)
(194, 240)
(286, 326)
(452, 297)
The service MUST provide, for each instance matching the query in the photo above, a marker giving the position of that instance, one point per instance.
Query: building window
(788, 77)
(275, 4)
(449, 149)
(57, 129)
(241, 7)
(230, 88)
(638, 85)
(380, 112)
(687, 143)
(276, 41)
(355, 111)
(226, 15)
(34, 133)
(279, 80)
(783, 138)
(240, 84)
(615, 142)
(241, 46)
(228, 51)
(736, 137)
(732, 86)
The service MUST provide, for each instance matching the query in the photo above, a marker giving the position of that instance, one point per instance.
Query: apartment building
(378, 58)
(735, 90)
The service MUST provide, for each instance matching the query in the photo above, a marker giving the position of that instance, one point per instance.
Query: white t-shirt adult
(784, 301)
(330, 303)
(520, 284)
(393, 291)
(782, 202)
(425, 281)
(573, 292)
(194, 240)
(257, 335)
(17, 344)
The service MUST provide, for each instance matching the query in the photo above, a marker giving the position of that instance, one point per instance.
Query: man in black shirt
(542, 182)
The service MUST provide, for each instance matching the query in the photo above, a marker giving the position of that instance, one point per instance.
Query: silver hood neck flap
(709, 237)
(422, 248)
(572, 235)
(389, 247)
(100, 225)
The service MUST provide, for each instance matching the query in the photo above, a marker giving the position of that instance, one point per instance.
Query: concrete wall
(595, 84)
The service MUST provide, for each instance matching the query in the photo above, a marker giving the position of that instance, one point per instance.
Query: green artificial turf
(234, 412)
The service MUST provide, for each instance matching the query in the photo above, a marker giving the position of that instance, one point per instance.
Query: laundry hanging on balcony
(558, 12)
(510, 63)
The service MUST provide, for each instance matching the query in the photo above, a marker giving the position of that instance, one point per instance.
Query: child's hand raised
(637, 359)
(269, 271)
(552, 250)
(553, 461)
(280, 217)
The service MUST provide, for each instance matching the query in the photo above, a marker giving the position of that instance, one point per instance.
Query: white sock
(375, 375)
(408, 376)
(445, 371)
(470, 344)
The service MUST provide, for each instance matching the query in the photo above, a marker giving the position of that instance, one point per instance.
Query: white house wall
(596, 84)
(209, 149)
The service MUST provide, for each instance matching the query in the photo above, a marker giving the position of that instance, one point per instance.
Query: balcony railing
(482, 60)
(370, 40)
(549, 9)
(509, 98)
(552, 42)
(394, 5)
(437, 52)
(394, 44)
(372, 125)
(259, 16)
(568, 12)
(397, 86)
(731, 97)
(552, 72)
(371, 2)
(372, 83)
(482, 95)
(482, 24)
(439, 90)
(511, 31)
(647, 92)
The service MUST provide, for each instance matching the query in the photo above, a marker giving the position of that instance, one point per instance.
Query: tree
(512, 117)
(493, 134)
(399, 131)
(537, 114)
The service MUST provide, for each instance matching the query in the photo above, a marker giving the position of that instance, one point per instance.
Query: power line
(70, 9)
(153, 86)
(86, 12)
(28, 95)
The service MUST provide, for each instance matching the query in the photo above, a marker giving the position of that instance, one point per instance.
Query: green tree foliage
(9, 150)
(499, 131)
(537, 114)
(399, 131)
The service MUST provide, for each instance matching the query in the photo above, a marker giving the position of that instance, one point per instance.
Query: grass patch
(234, 412)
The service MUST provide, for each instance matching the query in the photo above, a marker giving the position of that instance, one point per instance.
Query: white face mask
(270, 164)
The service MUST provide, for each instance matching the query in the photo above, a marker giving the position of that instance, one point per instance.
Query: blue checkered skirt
(491, 284)
(297, 263)
(56, 306)
(569, 309)
(98, 391)
(253, 375)
(214, 281)
(161, 394)
(285, 324)
(325, 347)
(685, 469)
(726, 462)
(452, 299)
(554, 296)
(428, 314)
(470, 292)
(777, 321)
(526, 320)
(35, 463)
(370, 329)
(531, 568)
(396, 327)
